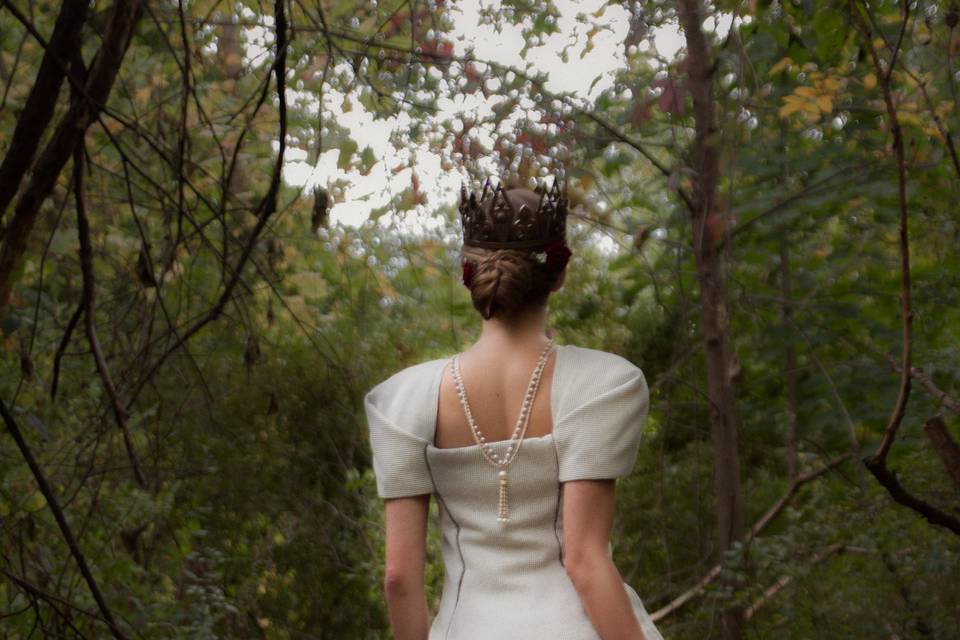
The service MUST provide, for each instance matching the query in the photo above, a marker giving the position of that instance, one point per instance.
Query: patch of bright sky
(384, 182)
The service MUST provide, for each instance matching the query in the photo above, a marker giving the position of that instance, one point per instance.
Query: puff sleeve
(401, 419)
(598, 432)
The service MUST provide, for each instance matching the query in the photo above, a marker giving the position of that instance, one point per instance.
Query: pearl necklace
(503, 510)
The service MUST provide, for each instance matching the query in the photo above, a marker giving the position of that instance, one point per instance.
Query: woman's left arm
(404, 576)
(588, 507)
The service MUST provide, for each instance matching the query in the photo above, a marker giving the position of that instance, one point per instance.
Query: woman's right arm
(587, 518)
(406, 542)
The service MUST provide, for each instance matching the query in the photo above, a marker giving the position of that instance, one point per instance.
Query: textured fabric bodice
(507, 580)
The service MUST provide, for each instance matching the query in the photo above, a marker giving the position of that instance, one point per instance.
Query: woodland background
(767, 224)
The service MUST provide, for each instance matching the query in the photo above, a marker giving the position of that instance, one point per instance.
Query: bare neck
(526, 332)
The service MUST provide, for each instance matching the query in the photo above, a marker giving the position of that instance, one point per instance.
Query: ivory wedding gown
(506, 581)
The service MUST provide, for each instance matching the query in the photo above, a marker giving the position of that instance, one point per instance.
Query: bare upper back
(495, 382)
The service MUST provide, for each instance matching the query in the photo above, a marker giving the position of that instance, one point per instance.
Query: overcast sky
(442, 186)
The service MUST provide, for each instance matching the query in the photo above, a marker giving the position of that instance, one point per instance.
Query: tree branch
(69, 132)
(889, 481)
(61, 519)
(266, 208)
(784, 581)
(88, 304)
(927, 382)
(755, 530)
(946, 447)
(40, 104)
(896, 417)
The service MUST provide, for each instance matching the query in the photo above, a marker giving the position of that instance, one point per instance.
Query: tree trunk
(945, 446)
(708, 224)
(69, 132)
(38, 110)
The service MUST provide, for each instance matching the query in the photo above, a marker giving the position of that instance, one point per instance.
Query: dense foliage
(191, 383)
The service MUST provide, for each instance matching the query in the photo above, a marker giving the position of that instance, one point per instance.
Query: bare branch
(61, 519)
(267, 207)
(899, 409)
(888, 479)
(946, 447)
(40, 104)
(758, 527)
(931, 387)
(88, 304)
(69, 131)
(784, 581)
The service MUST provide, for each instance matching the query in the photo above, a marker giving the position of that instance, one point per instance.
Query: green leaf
(828, 25)
(347, 148)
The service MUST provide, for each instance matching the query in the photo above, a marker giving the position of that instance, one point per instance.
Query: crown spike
(503, 196)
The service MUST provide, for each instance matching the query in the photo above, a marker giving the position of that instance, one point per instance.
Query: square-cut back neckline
(438, 379)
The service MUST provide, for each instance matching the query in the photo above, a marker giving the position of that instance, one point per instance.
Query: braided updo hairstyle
(506, 282)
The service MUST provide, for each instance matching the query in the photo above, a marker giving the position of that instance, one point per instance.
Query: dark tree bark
(876, 463)
(14, 429)
(714, 317)
(945, 446)
(40, 104)
(789, 351)
(89, 307)
(70, 131)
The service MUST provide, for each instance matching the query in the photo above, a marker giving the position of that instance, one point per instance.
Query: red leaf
(671, 100)
(641, 112)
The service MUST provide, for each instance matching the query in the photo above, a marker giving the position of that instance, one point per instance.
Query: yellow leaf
(869, 81)
(831, 82)
(933, 131)
(825, 104)
(115, 126)
(906, 117)
(142, 96)
(783, 63)
(790, 107)
(808, 92)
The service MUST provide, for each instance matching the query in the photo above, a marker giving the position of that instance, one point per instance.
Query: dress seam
(556, 512)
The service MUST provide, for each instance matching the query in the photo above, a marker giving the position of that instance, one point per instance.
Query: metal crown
(492, 222)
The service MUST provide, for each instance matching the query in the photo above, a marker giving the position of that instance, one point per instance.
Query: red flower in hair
(467, 273)
(558, 254)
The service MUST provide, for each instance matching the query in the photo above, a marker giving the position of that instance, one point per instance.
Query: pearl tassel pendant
(503, 505)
